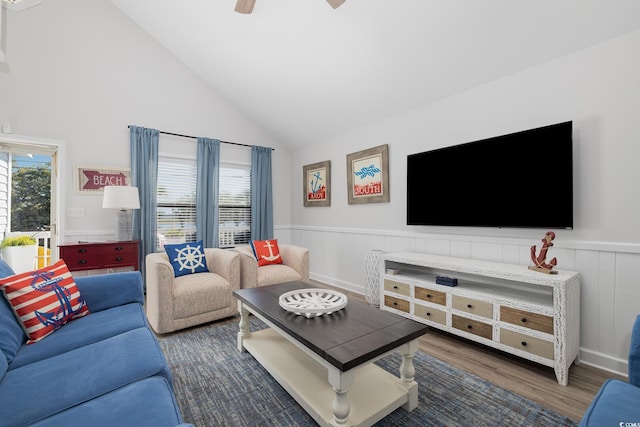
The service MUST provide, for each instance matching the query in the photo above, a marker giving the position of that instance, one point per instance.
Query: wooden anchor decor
(539, 261)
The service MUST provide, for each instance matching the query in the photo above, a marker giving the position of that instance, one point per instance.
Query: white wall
(599, 90)
(80, 71)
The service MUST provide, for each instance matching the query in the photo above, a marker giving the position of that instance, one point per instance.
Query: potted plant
(19, 252)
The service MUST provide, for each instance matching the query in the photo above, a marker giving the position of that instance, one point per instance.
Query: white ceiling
(306, 72)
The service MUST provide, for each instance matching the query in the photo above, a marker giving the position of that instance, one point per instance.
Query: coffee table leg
(244, 332)
(407, 372)
(341, 383)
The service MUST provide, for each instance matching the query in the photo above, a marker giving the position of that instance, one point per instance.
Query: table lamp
(121, 198)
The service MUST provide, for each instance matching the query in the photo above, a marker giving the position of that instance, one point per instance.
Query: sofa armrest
(634, 354)
(104, 291)
(159, 279)
(297, 258)
(224, 263)
(248, 267)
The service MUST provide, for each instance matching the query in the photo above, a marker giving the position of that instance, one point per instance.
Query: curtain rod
(195, 137)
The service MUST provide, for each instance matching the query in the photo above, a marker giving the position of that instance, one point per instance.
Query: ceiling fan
(246, 6)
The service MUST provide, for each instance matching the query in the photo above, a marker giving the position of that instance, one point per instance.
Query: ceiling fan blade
(245, 6)
(335, 3)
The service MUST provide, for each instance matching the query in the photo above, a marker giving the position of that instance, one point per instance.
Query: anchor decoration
(318, 189)
(266, 252)
(539, 261)
(272, 257)
(45, 282)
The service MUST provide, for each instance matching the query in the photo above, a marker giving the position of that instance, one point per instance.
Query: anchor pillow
(44, 300)
(187, 258)
(266, 252)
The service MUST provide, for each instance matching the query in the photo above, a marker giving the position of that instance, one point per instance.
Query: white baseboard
(604, 362)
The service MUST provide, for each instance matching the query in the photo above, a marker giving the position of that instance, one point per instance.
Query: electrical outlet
(75, 212)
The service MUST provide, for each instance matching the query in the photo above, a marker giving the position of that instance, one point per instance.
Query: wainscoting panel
(610, 274)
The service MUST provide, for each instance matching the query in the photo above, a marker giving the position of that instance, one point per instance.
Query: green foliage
(18, 241)
(30, 199)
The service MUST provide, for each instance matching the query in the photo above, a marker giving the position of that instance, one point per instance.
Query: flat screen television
(523, 180)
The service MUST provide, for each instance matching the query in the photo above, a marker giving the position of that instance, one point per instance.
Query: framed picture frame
(92, 180)
(317, 184)
(368, 176)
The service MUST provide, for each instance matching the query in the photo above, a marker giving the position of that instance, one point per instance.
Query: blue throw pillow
(187, 258)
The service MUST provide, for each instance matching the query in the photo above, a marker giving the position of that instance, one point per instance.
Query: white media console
(505, 306)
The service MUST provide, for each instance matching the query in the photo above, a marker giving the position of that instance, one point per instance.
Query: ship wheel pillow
(187, 258)
(44, 300)
(266, 252)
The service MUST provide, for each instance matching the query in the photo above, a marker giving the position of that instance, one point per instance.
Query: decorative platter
(313, 302)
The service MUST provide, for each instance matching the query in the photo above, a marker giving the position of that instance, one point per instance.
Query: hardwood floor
(521, 376)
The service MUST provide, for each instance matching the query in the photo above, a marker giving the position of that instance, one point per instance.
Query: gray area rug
(216, 385)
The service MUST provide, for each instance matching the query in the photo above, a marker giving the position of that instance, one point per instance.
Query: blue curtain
(261, 194)
(207, 192)
(144, 175)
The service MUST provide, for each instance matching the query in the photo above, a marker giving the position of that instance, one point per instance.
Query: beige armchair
(295, 267)
(174, 303)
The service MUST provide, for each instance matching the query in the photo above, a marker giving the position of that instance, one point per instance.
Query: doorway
(29, 193)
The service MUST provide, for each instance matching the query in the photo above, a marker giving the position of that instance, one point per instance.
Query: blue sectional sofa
(103, 369)
(618, 402)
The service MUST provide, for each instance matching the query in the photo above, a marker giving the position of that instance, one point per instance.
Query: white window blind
(177, 203)
(176, 216)
(234, 205)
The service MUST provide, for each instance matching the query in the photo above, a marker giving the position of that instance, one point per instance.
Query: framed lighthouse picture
(368, 175)
(317, 184)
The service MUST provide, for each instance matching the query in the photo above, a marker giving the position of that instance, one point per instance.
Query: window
(234, 205)
(176, 209)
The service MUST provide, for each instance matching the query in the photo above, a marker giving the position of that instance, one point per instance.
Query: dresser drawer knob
(469, 326)
(82, 261)
(395, 303)
(428, 314)
(395, 287)
(429, 296)
(119, 248)
(119, 258)
(524, 343)
(469, 306)
(524, 320)
(82, 251)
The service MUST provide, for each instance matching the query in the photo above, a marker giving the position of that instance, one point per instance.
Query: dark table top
(346, 338)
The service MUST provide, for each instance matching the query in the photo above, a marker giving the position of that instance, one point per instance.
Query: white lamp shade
(121, 197)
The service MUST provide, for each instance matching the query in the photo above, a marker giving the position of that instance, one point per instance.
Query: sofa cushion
(148, 402)
(187, 258)
(200, 293)
(104, 291)
(270, 274)
(41, 389)
(87, 330)
(266, 252)
(615, 404)
(44, 300)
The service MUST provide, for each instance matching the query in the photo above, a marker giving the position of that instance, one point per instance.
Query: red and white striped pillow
(44, 300)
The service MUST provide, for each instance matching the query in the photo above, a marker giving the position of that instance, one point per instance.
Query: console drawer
(430, 313)
(397, 303)
(527, 343)
(473, 306)
(397, 287)
(536, 321)
(435, 297)
(472, 326)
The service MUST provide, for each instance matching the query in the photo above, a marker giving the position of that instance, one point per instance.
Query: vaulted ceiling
(306, 72)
